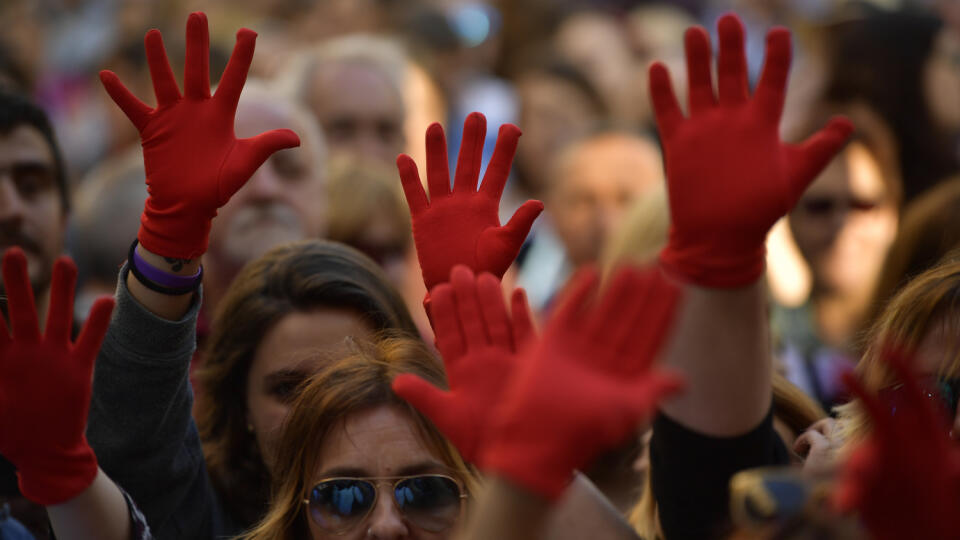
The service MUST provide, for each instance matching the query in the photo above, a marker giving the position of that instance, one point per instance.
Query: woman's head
(285, 314)
(923, 319)
(348, 424)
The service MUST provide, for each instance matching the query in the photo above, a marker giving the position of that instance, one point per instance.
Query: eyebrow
(423, 467)
(286, 374)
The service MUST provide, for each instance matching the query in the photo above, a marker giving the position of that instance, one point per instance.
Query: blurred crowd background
(373, 74)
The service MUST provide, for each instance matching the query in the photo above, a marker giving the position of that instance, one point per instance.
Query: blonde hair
(643, 232)
(928, 303)
(357, 382)
(790, 405)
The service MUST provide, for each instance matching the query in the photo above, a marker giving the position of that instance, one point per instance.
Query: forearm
(507, 512)
(721, 345)
(170, 307)
(98, 513)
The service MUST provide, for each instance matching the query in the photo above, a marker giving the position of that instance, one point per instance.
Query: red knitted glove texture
(729, 176)
(194, 162)
(462, 225)
(45, 382)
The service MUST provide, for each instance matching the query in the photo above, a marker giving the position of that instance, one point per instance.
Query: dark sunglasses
(944, 392)
(431, 502)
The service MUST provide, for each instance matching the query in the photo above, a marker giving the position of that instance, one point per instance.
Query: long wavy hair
(297, 277)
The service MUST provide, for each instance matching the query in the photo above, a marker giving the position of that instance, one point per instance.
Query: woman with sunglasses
(356, 461)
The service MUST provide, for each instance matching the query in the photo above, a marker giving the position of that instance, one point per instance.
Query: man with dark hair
(34, 202)
(33, 189)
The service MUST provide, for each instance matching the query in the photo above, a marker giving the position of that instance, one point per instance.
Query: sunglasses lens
(337, 505)
(432, 503)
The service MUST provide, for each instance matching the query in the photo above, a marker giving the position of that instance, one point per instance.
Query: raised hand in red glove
(729, 176)
(194, 162)
(45, 384)
(904, 480)
(478, 342)
(587, 384)
(463, 226)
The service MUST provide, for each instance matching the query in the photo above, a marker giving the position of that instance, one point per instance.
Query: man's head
(595, 181)
(354, 87)
(285, 200)
(34, 200)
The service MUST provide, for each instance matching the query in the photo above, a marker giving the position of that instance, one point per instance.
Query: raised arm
(140, 421)
(729, 178)
(44, 397)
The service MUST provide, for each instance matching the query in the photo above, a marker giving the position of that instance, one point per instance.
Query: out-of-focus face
(553, 113)
(597, 182)
(380, 442)
(933, 356)
(845, 222)
(285, 199)
(942, 79)
(360, 111)
(295, 348)
(31, 212)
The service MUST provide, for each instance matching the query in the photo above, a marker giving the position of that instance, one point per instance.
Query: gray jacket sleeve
(140, 423)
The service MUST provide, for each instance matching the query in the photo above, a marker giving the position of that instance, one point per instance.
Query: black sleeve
(690, 474)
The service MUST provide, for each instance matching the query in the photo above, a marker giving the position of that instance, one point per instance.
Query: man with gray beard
(284, 201)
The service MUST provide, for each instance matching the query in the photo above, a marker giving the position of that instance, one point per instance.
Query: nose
(264, 185)
(386, 523)
(11, 203)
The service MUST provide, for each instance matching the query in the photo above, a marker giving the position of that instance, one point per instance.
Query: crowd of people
(273, 277)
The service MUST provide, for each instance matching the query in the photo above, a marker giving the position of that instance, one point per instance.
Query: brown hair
(929, 229)
(928, 303)
(300, 277)
(358, 382)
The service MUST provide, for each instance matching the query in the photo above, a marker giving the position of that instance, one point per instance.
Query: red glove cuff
(57, 479)
(534, 467)
(171, 233)
(700, 266)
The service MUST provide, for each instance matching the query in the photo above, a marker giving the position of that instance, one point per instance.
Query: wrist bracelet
(158, 280)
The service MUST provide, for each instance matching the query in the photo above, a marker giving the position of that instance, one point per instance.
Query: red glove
(45, 384)
(193, 160)
(463, 226)
(905, 478)
(588, 384)
(729, 176)
(478, 342)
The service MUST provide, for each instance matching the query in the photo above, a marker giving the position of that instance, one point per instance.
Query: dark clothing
(140, 423)
(690, 474)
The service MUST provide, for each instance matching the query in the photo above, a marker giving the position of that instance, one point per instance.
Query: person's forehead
(256, 115)
(355, 88)
(382, 441)
(24, 143)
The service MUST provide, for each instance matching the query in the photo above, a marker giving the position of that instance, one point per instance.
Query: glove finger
(520, 223)
(471, 153)
(94, 330)
(468, 307)
(574, 299)
(164, 83)
(615, 297)
(196, 72)
(137, 111)
(446, 324)
(235, 74)
(412, 187)
(494, 310)
(60, 310)
(524, 330)
(249, 154)
(655, 321)
(772, 87)
(21, 308)
(732, 85)
(664, 99)
(699, 80)
(809, 158)
(431, 401)
(652, 389)
(438, 170)
(498, 170)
